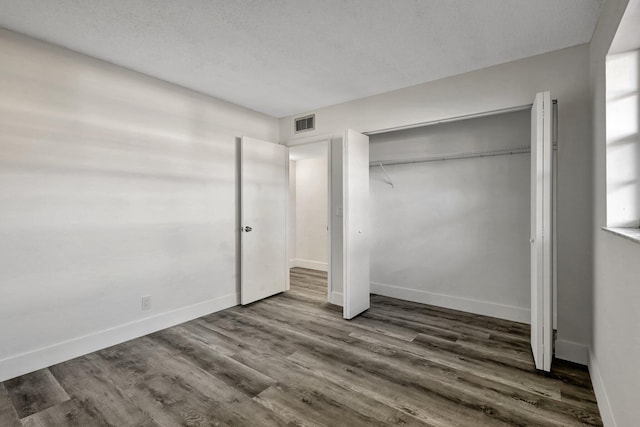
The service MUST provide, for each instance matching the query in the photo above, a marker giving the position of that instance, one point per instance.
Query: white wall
(311, 213)
(565, 73)
(454, 233)
(291, 218)
(113, 185)
(615, 348)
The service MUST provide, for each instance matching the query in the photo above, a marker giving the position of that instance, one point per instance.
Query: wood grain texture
(8, 415)
(34, 392)
(292, 360)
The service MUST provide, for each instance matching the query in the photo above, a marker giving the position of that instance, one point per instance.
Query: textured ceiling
(283, 57)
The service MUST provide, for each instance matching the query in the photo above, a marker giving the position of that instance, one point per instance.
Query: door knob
(248, 229)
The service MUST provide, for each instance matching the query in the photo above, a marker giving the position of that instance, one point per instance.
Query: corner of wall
(572, 351)
(606, 412)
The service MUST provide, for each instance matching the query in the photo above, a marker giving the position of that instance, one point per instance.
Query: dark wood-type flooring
(292, 360)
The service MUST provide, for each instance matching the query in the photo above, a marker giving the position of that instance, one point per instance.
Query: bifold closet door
(264, 187)
(541, 231)
(356, 248)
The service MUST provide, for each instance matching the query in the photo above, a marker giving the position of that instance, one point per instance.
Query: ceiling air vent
(305, 123)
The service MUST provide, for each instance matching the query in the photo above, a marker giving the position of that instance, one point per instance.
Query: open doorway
(309, 221)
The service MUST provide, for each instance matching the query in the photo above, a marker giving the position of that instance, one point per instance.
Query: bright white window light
(623, 139)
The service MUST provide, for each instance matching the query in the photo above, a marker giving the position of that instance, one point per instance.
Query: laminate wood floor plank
(197, 330)
(211, 329)
(475, 350)
(311, 399)
(8, 414)
(490, 323)
(318, 291)
(464, 328)
(571, 374)
(72, 413)
(307, 272)
(292, 360)
(541, 401)
(375, 326)
(86, 381)
(34, 392)
(514, 330)
(173, 391)
(310, 280)
(531, 383)
(233, 373)
(438, 376)
(432, 323)
(460, 362)
(438, 379)
(483, 359)
(317, 295)
(372, 377)
(304, 297)
(242, 329)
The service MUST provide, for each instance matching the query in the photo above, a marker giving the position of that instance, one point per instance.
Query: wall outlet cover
(146, 302)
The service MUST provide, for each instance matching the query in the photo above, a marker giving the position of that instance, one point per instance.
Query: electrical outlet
(146, 302)
(339, 211)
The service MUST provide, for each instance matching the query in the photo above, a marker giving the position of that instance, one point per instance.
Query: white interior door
(264, 188)
(356, 250)
(541, 232)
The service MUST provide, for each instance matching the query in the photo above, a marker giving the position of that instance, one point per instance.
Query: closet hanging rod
(454, 156)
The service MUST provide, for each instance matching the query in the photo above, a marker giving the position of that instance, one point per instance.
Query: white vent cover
(305, 123)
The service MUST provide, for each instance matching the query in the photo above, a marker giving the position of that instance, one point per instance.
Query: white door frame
(323, 139)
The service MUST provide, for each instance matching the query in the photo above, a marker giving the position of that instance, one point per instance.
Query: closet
(450, 209)
(463, 216)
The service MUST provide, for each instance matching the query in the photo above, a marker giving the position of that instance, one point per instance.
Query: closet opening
(450, 213)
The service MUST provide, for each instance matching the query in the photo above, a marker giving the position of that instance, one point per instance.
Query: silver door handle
(247, 229)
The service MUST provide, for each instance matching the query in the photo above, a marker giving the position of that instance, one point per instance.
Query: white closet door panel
(541, 232)
(356, 252)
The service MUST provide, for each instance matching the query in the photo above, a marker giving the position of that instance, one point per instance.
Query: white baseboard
(572, 351)
(485, 308)
(47, 356)
(336, 298)
(602, 398)
(305, 263)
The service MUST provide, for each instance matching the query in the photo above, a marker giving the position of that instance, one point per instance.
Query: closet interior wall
(454, 233)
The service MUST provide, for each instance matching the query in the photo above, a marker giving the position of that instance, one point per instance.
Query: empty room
(320, 213)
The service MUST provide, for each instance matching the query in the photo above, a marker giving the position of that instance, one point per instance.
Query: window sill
(632, 234)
